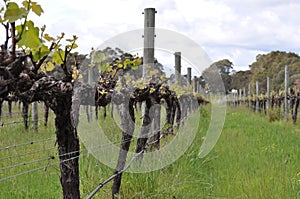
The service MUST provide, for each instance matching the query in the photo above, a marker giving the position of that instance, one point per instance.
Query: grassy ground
(252, 159)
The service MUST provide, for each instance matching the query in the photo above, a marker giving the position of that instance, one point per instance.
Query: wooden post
(199, 88)
(189, 76)
(178, 67)
(195, 81)
(244, 95)
(149, 29)
(286, 87)
(88, 107)
(35, 118)
(240, 97)
(268, 93)
(249, 95)
(256, 98)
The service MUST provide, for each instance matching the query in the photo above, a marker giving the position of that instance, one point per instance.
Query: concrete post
(149, 32)
(189, 76)
(178, 67)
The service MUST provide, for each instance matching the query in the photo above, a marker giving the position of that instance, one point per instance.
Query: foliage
(275, 114)
(273, 65)
(240, 79)
(216, 72)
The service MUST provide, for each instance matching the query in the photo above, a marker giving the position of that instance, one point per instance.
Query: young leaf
(26, 4)
(36, 8)
(30, 37)
(136, 63)
(14, 13)
(126, 62)
(119, 65)
(108, 68)
(49, 66)
(72, 46)
(58, 57)
(48, 37)
(40, 53)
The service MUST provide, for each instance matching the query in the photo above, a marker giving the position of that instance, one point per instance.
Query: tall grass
(252, 159)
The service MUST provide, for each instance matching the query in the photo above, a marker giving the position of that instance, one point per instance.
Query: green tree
(273, 65)
(213, 73)
(240, 79)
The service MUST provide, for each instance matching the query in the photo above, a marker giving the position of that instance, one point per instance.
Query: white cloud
(232, 29)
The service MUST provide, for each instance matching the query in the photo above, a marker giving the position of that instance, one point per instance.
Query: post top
(149, 9)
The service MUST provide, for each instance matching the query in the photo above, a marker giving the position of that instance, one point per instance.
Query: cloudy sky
(233, 29)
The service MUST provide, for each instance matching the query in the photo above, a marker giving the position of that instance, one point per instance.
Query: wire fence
(26, 143)
(134, 158)
(48, 158)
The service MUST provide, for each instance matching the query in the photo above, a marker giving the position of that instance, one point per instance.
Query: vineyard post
(152, 119)
(235, 98)
(244, 95)
(34, 112)
(195, 80)
(240, 97)
(249, 95)
(88, 107)
(256, 98)
(286, 86)
(178, 67)
(189, 76)
(148, 51)
(268, 93)
(199, 88)
(149, 27)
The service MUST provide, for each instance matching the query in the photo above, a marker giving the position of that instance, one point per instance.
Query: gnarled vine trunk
(68, 148)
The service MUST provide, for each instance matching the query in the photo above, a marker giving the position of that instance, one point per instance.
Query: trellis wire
(28, 153)
(36, 169)
(26, 144)
(51, 158)
(26, 163)
(125, 168)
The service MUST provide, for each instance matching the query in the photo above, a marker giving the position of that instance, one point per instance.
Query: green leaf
(108, 68)
(134, 67)
(70, 40)
(14, 13)
(25, 4)
(136, 63)
(40, 53)
(73, 46)
(126, 62)
(36, 8)
(48, 37)
(30, 37)
(58, 57)
(49, 66)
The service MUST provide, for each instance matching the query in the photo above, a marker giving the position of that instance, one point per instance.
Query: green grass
(252, 159)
